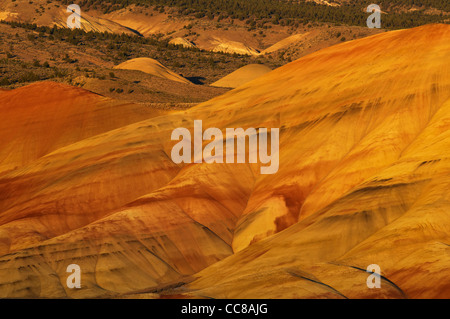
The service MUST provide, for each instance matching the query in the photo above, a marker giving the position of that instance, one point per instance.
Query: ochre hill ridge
(153, 67)
(363, 179)
(43, 117)
(242, 75)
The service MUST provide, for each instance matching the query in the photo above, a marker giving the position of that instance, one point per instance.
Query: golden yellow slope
(365, 172)
(146, 24)
(363, 179)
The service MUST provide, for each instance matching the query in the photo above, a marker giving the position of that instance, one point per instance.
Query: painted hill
(228, 46)
(182, 41)
(147, 21)
(242, 75)
(45, 13)
(152, 67)
(46, 116)
(363, 179)
(284, 43)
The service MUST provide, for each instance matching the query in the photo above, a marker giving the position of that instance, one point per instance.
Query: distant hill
(350, 12)
(153, 67)
(242, 75)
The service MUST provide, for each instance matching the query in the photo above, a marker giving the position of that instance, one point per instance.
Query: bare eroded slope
(363, 179)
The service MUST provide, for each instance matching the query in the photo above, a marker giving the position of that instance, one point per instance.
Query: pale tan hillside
(47, 13)
(153, 67)
(182, 41)
(146, 22)
(284, 43)
(228, 46)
